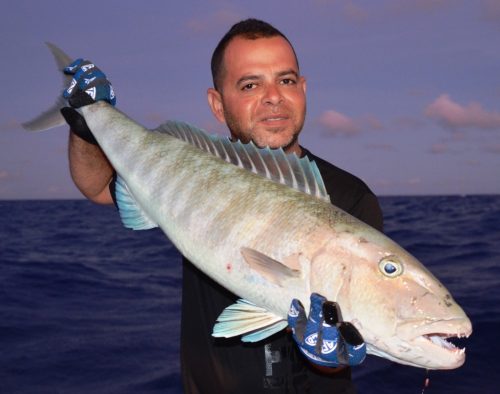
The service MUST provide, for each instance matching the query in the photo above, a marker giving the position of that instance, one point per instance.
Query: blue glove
(89, 84)
(323, 337)
(89, 79)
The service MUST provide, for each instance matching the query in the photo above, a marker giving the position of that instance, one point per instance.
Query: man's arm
(90, 170)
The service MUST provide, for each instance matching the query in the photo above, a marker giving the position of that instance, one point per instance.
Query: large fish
(260, 223)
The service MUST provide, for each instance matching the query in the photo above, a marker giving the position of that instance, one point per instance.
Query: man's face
(262, 97)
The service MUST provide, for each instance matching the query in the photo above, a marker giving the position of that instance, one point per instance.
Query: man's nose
(272, 95)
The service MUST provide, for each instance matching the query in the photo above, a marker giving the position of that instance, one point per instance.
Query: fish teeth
(440, 340)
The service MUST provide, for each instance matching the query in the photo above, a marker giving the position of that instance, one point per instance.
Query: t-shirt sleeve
(112, 189)
(367, 209)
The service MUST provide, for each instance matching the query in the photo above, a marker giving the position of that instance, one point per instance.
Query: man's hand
(323, 337)
(89, 79)
(89, 84)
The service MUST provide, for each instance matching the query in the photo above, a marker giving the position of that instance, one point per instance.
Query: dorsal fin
(274, 164)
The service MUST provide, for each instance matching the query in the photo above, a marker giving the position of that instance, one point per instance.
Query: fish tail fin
(52, 117)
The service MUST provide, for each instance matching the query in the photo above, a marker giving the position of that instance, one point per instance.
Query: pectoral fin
(273, 270)
(247, 318)
(131, 213)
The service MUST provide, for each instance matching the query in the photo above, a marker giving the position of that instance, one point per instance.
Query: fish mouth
(434, 342)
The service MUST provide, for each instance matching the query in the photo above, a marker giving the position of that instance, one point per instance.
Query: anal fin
(243, 317)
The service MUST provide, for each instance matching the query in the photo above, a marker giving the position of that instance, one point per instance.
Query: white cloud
(338, 124)
(455, 116)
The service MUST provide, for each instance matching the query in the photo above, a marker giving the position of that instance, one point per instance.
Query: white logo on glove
(72, 86)
(312, 339)
(88, 80)
(328, 346)
(87, 67)
(111, 92)
(91, 92)
(293, 312)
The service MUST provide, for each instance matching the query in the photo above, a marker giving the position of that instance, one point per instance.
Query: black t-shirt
(274, 365)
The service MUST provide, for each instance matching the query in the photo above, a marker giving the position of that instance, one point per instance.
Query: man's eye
(248, 86)
(288, 81)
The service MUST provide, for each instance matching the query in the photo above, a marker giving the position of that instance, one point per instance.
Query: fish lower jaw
(428, 341)
(438, 334)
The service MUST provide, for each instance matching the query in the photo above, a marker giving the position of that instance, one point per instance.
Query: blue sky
(404, 94)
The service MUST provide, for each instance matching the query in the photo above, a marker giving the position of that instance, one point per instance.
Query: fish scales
(205, 201)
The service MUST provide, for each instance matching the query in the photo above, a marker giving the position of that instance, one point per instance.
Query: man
(260, 95)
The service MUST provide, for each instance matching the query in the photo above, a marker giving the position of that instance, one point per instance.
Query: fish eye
(390, 266)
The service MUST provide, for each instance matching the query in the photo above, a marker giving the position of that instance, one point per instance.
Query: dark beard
(285, 147)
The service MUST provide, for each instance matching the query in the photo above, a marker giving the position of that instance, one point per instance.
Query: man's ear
(215, 103)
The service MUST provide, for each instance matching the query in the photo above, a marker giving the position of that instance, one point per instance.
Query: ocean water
(87, 306)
